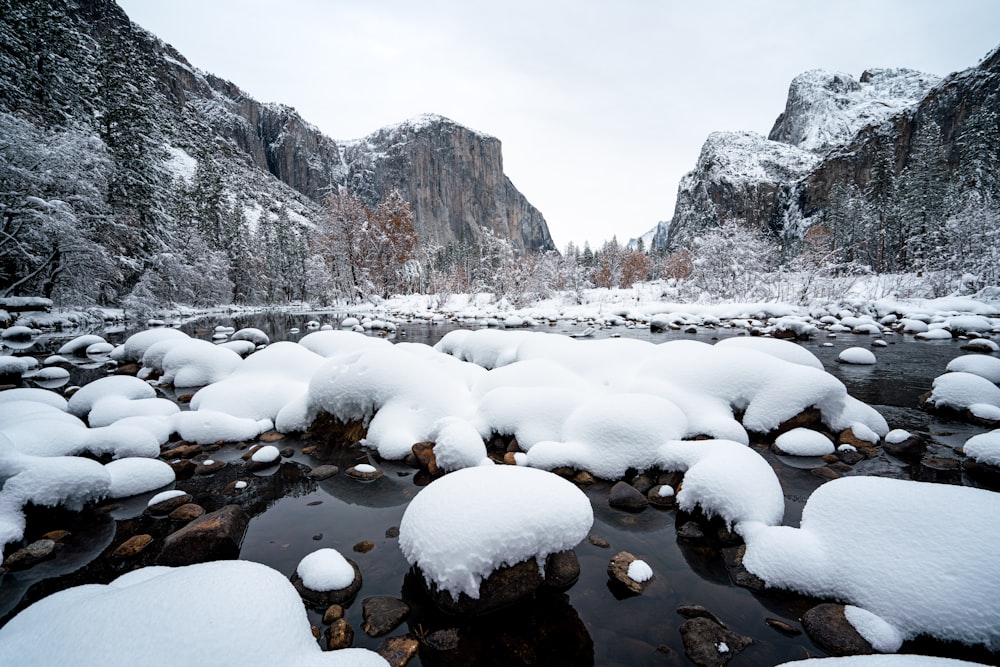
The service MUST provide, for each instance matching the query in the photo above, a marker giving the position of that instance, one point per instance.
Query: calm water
(591, 623)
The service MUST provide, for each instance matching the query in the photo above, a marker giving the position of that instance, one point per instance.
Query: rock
(326, 599)
(208, 467)
(939, 470)
(708, 644)
(811, 418)
(236, 487)
(502, 588)
(828, 628)
(784, 628)
(31, 555)
(624, 496)
(319, 473)
(310, 450)
(383, 614)
(690, 530)
(364, 472)
(562, 569)
(510, 459)
(272, 436)
(583, 478)
(697, 611)
(183, 468)
(849, 456)
(738, 574)
(398, 651)
(982, 473)
(182, 451)
(133, 546)
(392, 532)
(339, 635)
(332, 613)
(910, 449)
(443, 640)
(847, 437)
(643, 483)
(363, 546)
(187, 512)
(56, 535)
(287, 452)
(424, 453)
(618, 572)
(214, 536)
(598, 541)
(663, 501)
(825, 472)
(169, 505)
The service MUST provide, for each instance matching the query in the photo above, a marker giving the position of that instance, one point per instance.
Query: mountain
(886, 165)
(131, 174)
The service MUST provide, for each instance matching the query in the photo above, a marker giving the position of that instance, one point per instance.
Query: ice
(325, 570)
(984, 448)
(941, 588)
(257, 620)
(461, 527)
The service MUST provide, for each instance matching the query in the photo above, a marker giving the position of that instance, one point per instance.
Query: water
(593, 622)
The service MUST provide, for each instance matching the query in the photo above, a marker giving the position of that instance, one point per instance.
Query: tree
(730, 261)
(922, 187)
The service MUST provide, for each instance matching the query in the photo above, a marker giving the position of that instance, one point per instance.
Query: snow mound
(122, 623)
(856, 355)
(207, 426)
(132, 476)
(120, 386)
(461, 527)
(782, 349)
(78, 346)
(907, 660)
(959, 390)
(883, 637)
(984, 448)
(804, 442)
(136, 345)
(195, 363)
(977, 364)
(843, 554)
(325, 570)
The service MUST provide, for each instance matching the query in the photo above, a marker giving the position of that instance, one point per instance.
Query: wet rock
(598, 541)
(697, 611)
(618, 572)
(208, 467)
(510, 459)
(56, 535)
(583, 478)
(133, 546)
(364, 472)
(392, 532)
(187, 512)
(287, 453)
(363, 546)
(214, 536)
(183, 468)
(624, 496)
(643, 483)
(738, 574)
(169, 505)
(128, 369)
(981, 473)
(398, 651)
(939, 470)
(826, 473)
(502, 588)
(784, 628)
(382, 614)
(848, 437)
(236, 487)
(272, 436)
(424, 453)
(849, 456)
(657, 499)
(332, 613)
(325, 599)
(182, 451)
(708, 644)
(339, 635)
(828, 628)
(910, 449)
(443, 640)
(319, 473)
(309, 450)
(690, 530)
(809, 418)
(562, 569)
(31, 555)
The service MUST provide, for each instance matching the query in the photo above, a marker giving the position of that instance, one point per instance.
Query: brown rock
(424, 452)
(382, 614)
(708, 644)
(828, 628)
(332, 613)
(169, 505)
(811, 417)
(562, 569)
(56, 535)
(784, 628)
(825, 472)
(319, 473)
(208, 466)
(272, 436)
(214, 536)
(510, 459)
(598, 541)
(656, 500)
(309, 450)
(325, 599)
(398, 651)
(184, 451)
(847, 437)
(738, 574)
(583, 478)
(618, 571)
(339, 635)
(363, 546)
(187, 512)
(910, 449)
(133, 546)
(939, 470)
(185, 398)
(183, 468)
(31, 555)
(363, 475)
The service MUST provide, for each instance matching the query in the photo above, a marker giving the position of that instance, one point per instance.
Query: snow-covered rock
(857, 355)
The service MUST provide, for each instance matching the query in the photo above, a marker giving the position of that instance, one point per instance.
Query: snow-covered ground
(605, 406)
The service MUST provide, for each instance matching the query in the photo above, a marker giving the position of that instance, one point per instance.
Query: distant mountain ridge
(831, 133)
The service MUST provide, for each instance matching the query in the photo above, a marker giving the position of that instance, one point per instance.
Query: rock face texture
(453, 178)
(831, 133)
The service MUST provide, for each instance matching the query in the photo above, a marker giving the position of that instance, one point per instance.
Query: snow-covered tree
(730, 260)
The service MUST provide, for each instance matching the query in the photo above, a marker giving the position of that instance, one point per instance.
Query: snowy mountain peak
(826, 109)
(740, 157)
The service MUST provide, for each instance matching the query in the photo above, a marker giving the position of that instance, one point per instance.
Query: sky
(601, 106)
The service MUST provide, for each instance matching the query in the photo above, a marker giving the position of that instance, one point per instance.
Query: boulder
(562, 569)
(398, 651)
(383, 614)
(709, 644)
(133, 546)
(31, 555)
(624, 496)
(339, 635)
(187, 512)
(502, 588)
(214, 536)
(828, 628)
(910, 449)
(169, 505)
(618, 571)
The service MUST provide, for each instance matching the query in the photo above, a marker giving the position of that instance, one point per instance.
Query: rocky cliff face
(831, 133)
(453, 178)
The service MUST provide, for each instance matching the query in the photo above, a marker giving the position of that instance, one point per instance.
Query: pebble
(133, 546)
(187, 512)
(319, 473)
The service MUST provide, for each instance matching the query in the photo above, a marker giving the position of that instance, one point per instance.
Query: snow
(883, 637)
(639, 571)
(458, 445)
(977, 364)
(136, 345)
(782, 349)
(34, 395)
(907, 660)
(934, 334)
(984, 448)
(165, 495)
(462, 526)
(897, 435)
(207, 426)
(114, 386)
(854, 556)
(196, 363)
(132, 476)
(856, 355)
(79, 345)
(365, 468)
(122, 623)
(960, 390)
(266, 454)
(325, 570)
(804, 442)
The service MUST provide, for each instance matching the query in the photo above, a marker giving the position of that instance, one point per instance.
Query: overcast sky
(601, 106)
